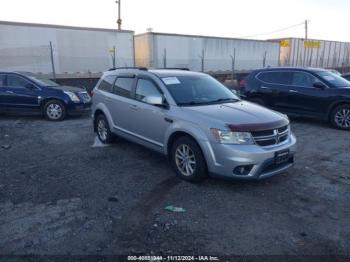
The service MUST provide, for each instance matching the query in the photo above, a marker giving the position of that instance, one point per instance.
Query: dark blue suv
(310, 92)
(24, 92)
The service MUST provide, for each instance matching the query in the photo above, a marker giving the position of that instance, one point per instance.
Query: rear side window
(303, 79)
(280, 78)
(145, 88)
(123, 86)
(107, 83)
(2, 80)
(16, 81)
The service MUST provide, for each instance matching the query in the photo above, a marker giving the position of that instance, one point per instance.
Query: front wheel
(54, 110)
(187, 160)
(340, 117)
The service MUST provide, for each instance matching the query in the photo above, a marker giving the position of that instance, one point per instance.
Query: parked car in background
(194, 120)
(309, 92)
(26, 93)
(346, 76)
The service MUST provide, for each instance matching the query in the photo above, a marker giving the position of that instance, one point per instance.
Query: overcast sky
(329, 19)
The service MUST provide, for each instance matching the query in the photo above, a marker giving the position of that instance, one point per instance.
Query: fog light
(242, 170)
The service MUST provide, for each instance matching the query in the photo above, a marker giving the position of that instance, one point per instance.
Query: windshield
(333, 79)
(43, 81)
(196, 90)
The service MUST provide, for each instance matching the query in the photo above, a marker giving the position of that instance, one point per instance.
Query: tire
(54, 110)
(103, 131)
(340, 117)
(258, 101)
(195, 158)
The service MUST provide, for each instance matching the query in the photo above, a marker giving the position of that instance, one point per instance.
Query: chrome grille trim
(276, 137)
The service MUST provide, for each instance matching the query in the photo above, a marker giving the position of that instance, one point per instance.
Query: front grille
(272, 136)
(85, 97)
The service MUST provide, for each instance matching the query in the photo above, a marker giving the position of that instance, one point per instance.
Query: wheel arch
(334, 106)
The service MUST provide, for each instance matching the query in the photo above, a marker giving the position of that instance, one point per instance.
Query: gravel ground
(63, 193)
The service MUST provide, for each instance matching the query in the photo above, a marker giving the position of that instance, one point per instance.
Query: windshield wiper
(224, 100)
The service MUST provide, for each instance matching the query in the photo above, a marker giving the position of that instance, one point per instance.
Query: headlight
(228, 137)
(72, 96)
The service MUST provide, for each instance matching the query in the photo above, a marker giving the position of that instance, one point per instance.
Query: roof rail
(175, 68)
(129, 67)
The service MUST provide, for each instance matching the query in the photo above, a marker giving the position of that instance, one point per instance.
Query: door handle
(10, 92)
(264, 87)
(293, 91)
(134, 107)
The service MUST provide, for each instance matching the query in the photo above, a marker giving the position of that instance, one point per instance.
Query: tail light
(92, 92)
(243, 83)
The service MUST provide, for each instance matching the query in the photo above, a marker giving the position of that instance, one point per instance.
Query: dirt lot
(61, 195)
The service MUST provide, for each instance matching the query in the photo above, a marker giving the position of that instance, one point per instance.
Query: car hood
(241, 116)
(67, 88)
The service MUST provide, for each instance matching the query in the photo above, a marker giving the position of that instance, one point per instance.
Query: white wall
(26, 48)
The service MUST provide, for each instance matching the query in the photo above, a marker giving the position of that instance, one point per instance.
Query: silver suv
(197, 122)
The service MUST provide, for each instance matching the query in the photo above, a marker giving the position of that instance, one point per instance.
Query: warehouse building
(204, 53)
(69, 51)
(314, 53)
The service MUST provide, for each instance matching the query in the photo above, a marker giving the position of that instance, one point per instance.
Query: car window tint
(2, 80)
(16, 81)
(303, 79)
(283, 78)
(123, 86)
(145, 88)
(107, 83)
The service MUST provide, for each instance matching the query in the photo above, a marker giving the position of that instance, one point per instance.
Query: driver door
(20, 94)
(149, 122)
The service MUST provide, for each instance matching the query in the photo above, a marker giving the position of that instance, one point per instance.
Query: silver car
(194, 120)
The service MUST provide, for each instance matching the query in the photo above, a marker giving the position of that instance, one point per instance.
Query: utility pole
(164, 58)
(233, 61)
(202, 58)
(52, 62)
(119, 21)
(306, 29)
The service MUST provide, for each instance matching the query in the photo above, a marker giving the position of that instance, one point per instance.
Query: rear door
(20, 94)
(121, 101)
(274, 86)
(2, 92)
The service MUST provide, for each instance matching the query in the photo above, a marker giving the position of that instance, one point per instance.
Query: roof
(291, 68)
(64, 27)
(204, 36)
(174, 72)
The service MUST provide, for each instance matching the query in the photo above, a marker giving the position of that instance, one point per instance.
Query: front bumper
(223, 159)
(79, 108)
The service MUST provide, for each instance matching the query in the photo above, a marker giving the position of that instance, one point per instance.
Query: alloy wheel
(342, 118)
(54, 111)
(185, 160)
(102, 129)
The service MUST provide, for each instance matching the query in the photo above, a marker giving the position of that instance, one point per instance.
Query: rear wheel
(187, 160)
(54, 110)
(340, 117)
(102, 128)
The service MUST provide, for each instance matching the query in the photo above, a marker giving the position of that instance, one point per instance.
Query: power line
(275, 31)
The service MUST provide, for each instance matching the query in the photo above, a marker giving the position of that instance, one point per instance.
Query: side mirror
(156, 100)
(319, 85)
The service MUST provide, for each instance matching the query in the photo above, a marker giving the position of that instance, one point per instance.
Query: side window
(145, 88)
(123, 86)
(107, 83)
(2, 80)
(281, 78)
(16, 81)
(303, 79)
